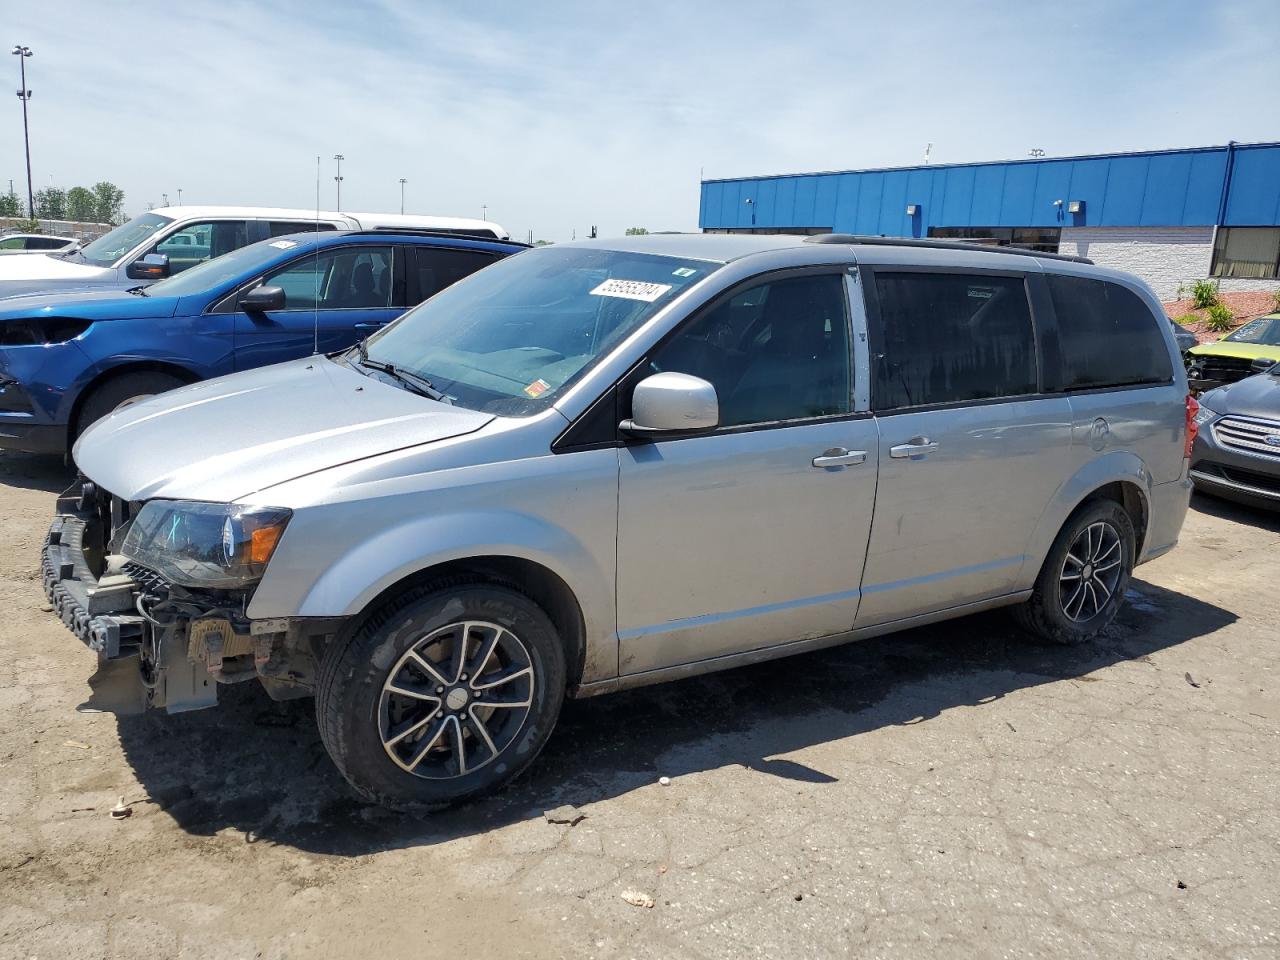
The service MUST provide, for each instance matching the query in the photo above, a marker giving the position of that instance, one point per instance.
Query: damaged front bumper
(158, 645)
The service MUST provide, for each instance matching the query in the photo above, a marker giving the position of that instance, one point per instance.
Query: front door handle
(368, 326)
(915, 447)
(840, 457)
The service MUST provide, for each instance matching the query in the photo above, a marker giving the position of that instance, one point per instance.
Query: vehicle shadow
(1236, 512)
(259, 766)
(31, 472)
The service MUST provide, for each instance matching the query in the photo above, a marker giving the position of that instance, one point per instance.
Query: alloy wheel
(456, 699)
(1091, 571)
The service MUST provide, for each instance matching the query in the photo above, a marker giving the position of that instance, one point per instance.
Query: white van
(166, 241)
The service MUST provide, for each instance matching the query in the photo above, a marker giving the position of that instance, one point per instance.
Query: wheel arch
(538, 582)
(115, 371)
(1119, 476)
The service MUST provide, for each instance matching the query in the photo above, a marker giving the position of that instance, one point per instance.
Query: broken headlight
(213, 545)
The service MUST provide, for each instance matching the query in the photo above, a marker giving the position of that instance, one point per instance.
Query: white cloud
(558, 116)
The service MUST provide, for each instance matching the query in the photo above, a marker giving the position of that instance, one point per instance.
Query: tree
(109, 202)
(636, 231)
(81, 205)
(51, 204)
(9, 205)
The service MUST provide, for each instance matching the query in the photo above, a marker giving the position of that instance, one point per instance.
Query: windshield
(513, 337)
(211, 274)
(110, 247)
(1264, 331)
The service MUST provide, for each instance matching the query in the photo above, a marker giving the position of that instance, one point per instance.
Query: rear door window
(279, 228)
(347, 278)
(1108, 335)
(438, 267)
(948, 338)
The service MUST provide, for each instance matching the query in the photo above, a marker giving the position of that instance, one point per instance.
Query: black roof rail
(463, 233)
(939, 245)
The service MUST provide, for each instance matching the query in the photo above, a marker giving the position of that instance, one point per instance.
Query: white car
(36, 243)
(168, 240)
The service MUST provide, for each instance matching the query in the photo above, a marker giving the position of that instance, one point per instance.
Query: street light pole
(338, 178)
(403, 181)
(484, 211)
(179, 196)
(24, 95)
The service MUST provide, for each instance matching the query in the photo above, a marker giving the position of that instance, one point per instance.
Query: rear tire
(1084, 577)
(411, 723)
(120, 392)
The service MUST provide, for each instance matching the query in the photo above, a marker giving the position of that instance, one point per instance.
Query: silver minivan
(604, 464)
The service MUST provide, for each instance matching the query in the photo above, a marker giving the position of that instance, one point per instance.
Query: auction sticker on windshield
(631, 290)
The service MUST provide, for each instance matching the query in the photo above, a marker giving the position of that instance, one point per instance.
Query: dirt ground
(950, 791)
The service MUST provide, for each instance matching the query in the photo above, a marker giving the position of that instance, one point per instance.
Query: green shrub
(1275, 302)
(1204, 293)
(1188, 319)
(1219, 318)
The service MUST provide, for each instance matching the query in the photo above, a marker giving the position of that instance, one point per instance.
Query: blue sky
(557, 116)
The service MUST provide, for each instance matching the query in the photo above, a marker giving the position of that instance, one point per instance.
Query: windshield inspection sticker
(683, 272)
(284, 244)
(537, 388)
(631, 290)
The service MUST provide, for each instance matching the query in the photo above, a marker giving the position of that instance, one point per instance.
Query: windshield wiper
(138, 291)
(418, 384)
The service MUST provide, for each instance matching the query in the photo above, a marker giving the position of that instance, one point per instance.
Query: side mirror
(262, 300)
(1262, 365)
(154, 266)
(671, 404)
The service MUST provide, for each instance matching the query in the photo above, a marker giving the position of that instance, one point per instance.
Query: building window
(790, 231)
(1042, 239)
(1251, 252)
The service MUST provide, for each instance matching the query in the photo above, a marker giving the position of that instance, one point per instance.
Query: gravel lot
(946, 792)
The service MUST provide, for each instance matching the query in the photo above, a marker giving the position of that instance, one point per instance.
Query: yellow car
(1251, 349)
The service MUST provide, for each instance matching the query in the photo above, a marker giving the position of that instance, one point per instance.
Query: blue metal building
(1180, 214)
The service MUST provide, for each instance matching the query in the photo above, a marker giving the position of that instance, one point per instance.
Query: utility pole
(338, 178)
(403, 181)
(24, 95)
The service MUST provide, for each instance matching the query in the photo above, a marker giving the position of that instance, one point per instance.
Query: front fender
(293, 587)
(1118, 466)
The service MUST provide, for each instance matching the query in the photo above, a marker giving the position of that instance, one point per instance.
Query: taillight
(1193, 428)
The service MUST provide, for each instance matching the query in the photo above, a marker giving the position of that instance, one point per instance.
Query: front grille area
(1248, 434)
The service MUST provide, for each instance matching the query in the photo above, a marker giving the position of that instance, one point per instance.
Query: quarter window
(344, 279)
(948, 338)
(776, 351)
(1108, 335)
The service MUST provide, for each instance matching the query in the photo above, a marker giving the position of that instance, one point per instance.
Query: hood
(226, 438)
(1225, 348)
(89, 304)
(45, 267)
(1256, 396)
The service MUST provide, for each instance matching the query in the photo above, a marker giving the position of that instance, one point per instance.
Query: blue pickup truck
(69, 359)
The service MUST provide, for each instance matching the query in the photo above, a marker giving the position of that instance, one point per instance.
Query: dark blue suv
(68, 359)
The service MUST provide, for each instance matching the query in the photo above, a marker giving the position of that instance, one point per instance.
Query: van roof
(366, 220)
(724, 247)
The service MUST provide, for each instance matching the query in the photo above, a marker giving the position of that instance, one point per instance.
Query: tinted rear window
(947, 338)
(1109, 338)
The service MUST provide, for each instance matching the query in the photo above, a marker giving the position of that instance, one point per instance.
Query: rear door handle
(840, 457)
(915, 447)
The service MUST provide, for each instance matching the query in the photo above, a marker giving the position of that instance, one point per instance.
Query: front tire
(443, 695)
(1082, 583)
(121, 391)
